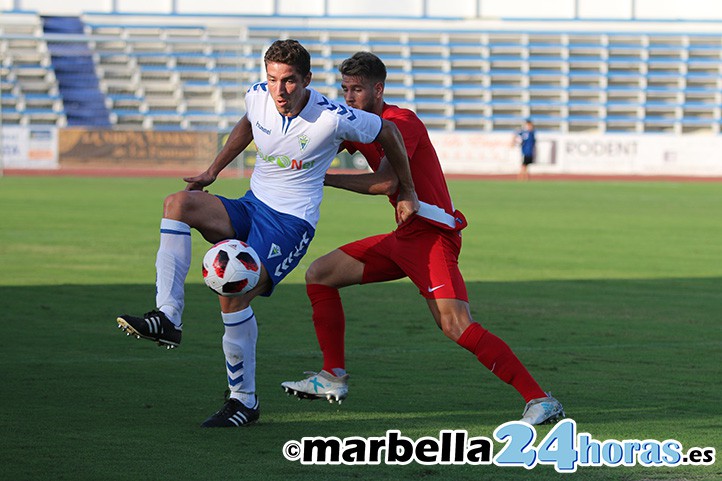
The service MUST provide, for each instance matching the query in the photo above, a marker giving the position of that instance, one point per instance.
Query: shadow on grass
(628, 358)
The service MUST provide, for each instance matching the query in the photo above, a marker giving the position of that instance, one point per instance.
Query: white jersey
(294, 153)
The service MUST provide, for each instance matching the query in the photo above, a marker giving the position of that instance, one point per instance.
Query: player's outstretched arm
(239, 138)
(407, 202)
(381, 182)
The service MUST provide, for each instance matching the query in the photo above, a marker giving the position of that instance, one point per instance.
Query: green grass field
(610, 293)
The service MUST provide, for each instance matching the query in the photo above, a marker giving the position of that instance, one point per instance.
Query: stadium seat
(573, 80)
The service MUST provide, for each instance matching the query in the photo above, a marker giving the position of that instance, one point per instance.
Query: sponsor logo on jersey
(262, 128)
(286, 162)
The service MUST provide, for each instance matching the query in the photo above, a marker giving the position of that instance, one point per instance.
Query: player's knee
(314, 273)
(319, 272)
(176, 205)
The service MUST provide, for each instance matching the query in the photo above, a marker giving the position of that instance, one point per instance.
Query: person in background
(526, 138)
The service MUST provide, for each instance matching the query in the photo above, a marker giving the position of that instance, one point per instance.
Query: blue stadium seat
(466, 78)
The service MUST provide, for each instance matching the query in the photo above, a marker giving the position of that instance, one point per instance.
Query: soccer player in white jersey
(297, 132)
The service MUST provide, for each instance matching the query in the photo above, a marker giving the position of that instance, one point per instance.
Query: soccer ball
(231, 268)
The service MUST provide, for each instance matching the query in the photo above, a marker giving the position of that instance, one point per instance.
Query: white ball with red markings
(231, 268)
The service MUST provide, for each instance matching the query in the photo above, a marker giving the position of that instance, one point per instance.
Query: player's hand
(407, 205)
(199, 181)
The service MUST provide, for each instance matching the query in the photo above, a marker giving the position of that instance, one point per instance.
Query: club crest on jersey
(303, 141)
(274, 252)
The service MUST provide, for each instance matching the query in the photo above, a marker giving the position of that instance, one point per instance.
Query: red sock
(496, 355)
(330, 324)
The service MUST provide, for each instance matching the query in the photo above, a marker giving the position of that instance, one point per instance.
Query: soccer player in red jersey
(424, 248)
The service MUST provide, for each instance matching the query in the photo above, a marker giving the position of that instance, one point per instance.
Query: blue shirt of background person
(527, 138)
(528, 141)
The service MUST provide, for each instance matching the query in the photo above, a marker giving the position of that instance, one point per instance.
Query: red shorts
(426, 254)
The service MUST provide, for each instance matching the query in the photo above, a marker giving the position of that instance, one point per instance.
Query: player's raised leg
(324, 277)
(181, 211)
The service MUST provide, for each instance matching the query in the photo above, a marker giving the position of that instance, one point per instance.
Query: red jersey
(429, 181)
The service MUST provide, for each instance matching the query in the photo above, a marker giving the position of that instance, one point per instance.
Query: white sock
(239, 346)
(172, 264)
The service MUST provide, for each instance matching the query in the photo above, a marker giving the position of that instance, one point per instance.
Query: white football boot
(321, 385)
(542, 410)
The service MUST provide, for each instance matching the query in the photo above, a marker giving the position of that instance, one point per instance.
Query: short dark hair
(289, 52)
(364, 64)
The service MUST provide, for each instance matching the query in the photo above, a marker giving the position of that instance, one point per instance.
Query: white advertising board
(610, 154)
(29, 147)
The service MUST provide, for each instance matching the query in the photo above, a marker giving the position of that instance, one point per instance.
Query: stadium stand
(83, 101)
(174, 72)
(28, 85)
